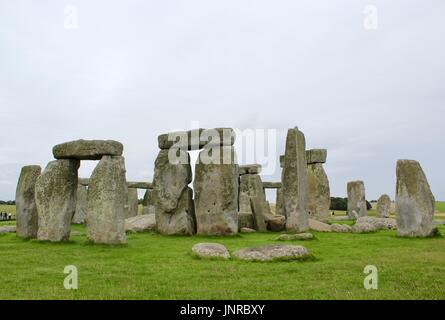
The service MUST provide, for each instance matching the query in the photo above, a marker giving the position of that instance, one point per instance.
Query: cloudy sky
(364, 79)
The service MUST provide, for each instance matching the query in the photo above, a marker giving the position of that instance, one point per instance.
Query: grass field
(152, 266)
(440, 206)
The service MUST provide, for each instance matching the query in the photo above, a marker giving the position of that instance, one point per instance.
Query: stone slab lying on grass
(341, 218)
(273, 253)
(294, 237)
(276, 223)
(340, 228)
(371, 224)
(319, 226)
(146, 222)
(87, 149)
(211, 250)
(7, 229)
(247, 230)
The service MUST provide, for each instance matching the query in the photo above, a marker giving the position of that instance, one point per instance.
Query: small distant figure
(333, 213)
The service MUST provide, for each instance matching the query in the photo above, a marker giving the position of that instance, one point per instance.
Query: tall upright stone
(216, 191)
(294, 179)
(171, 195)
(81, 205)
(252, 192)
(107, 200)
(56, 192)
(26, 210)
(319, 195)
(415, 203)
(383, 206)
(132, 203)
(356, 200)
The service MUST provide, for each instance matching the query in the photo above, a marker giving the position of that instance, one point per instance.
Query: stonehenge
(319, 196)
(383, 206)
(26, 209)
(81, 205)
(87, 149)
(415, 203)
(294, 179)
(132, 203)
(356, 200)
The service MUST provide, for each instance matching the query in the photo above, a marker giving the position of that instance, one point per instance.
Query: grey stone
(272, 185)
(279, 209)
(148, 210)
(340, 228)
(7, 229)
(197, 139)
(251, 190)
(245, 220)
(415, 203)
(216, 192)
(84, 182)
(247, 230)
(272, 253)
(250, 169)
(147, 198)
(107, 201)
(371, 224)
(383, 206)
(139, 185)
(81, 205)
(210, 250)
(171, 196)
(276, 223)
(363, 228)
(282, 161)
(294, 178)
(319, 226)
(316, 156)
(87, 149)
(295, 237)
(356, 200)
(341, 218)
(319, 196)
(141, 223)
(132, 203)
(26, 210)
(56, 192)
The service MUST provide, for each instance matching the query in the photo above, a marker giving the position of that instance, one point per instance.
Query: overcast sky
(134, 69)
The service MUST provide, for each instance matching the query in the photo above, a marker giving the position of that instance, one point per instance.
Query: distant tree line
(341, 204)
(9, 203)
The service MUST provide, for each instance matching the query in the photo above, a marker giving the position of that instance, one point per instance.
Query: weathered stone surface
(107, 201)
(56, 192)
(81, 205)
(197, 139)
(251, 191)
(247, 230)
(276, 223)
(316, 156)
(151, 209)
(371, 224)
(182, 220)
(7, 229)
(245, 220)
(171, 196)
(295, 237)
(279, 208)
(340, 228)
(282, 161)
(319, 195)
(87, 149)
(383, 206)
(341, 218)
(272, 185)
(132, 203)
(84, 181)
(415, 203)
(145, 222)
(294, 178)
(272, 253)
(26, 210)
(216, 188)
(147, 198)
(210, 250)
(319, 226)
(356, 200)
(139, 185)
(250, 169)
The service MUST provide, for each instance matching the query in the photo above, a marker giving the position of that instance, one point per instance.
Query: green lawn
(440, 206)
(152, 266)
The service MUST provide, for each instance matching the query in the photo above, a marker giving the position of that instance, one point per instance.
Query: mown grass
(440, 206)
(152, 266)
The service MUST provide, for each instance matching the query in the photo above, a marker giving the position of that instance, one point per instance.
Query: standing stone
(216, 191)
(356, 200)
(415, 203)
(319, 196)
(26, 214)
(279, 209)
(251, 189)
(107, 200)
(383, 206)
(132, 203)
(56, 192)
(294, 179)
(147, 203)
(172, 198)
(81, 205)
